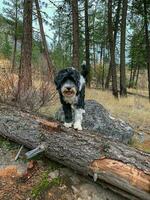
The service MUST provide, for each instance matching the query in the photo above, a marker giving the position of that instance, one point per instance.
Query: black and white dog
(71, 87)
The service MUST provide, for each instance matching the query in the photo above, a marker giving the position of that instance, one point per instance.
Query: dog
(70, 84)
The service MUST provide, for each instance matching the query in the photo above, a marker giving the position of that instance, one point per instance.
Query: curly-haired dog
(71, 87)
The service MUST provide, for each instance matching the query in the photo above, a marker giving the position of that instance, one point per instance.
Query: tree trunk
(109, 75)
(87, 39)
(131, 75)
(101, 55)
(137, 76)
(75, 27)
(112, 50)
(123, 88)
(94, 57)
(15, 38)
(25, 71)
(117, 21)
(90, 154)
(134, 75)
(116, 25)
(46, 53)
(103, 69)
(147, 43)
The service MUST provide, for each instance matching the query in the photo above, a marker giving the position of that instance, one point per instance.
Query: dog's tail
(84, 69)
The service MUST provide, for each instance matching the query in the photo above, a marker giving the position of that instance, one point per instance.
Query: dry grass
(133, 109)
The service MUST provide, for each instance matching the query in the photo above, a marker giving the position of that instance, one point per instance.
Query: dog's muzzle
(69, 92)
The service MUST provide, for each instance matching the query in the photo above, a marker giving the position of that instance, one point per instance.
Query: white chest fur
(71, 100)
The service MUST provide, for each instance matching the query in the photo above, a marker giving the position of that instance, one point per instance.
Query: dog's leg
(78, 119)
(79, 110)
(68, 115)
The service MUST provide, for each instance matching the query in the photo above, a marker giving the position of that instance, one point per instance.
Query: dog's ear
(57, 81)
(59, 78)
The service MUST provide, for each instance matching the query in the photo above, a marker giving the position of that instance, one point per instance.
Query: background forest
(111, 36)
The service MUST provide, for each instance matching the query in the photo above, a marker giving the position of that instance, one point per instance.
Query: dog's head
(68, 88)
(68, 82)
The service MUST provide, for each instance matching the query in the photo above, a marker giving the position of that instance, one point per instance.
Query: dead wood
(122, 168)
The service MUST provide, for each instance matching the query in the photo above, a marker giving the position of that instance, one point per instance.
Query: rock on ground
(98, 119)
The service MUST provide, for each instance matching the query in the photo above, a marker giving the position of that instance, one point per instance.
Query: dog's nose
(68, 88)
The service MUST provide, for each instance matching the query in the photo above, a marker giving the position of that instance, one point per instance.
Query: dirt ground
(43, 179)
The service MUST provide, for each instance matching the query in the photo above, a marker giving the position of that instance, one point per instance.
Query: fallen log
(122, 168)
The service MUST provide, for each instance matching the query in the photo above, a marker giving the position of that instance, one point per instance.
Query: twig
(17, 156)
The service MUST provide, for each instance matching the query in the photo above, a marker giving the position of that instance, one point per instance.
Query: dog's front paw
(77, 126)
(68, 125)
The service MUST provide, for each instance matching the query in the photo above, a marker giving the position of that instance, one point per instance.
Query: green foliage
(60, 58)
(137, 52)
(5, 47)
(62, 41)
(36, 51)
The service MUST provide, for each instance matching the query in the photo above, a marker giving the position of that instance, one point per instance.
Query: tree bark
(112, 50)
(134, 75)
(103, 69)
(46, 53)
(137, 76)
(109, 75)
(75, 27)
(131, 75)
(146, 3)
(122, 168)
(15, 37)
(25, 71)
(123, 88)
(87, 39)
(116, 25)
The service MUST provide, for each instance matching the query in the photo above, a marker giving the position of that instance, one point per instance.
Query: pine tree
(25, 71)
(123, 89)
(75, 30)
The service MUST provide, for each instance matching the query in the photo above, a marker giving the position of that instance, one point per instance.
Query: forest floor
(46, 180)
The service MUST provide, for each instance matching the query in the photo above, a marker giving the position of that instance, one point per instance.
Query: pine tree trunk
(131, 75)
(137, 76)
(112, 50)
(116, 26)
(147, 43)
(109, 75)
(123, 89)
(94, 48)
(117, 21)
(103, 68)
(134, 75)
(46, 53)
(15, 38)
(25, 71)
(87, 51)
(14, 55)
(75, 27)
